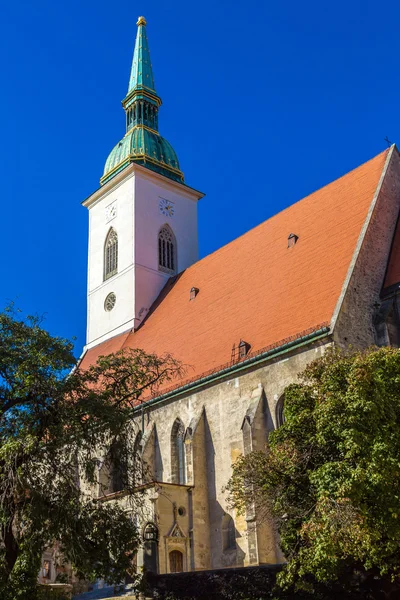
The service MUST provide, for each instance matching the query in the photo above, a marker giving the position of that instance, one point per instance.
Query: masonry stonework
(221, 422)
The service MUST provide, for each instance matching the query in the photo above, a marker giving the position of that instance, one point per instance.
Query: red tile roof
(256, 288)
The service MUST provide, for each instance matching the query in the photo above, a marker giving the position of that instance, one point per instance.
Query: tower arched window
(178, 463)
(166, 250)
(111, 254)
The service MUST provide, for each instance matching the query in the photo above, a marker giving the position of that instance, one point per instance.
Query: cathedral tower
(143, 218)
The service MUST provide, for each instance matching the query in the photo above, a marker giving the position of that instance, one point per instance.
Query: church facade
(246, 319)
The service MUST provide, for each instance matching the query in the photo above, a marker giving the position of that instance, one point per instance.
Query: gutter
(259, 358)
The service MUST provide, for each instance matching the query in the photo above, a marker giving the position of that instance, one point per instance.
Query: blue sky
(264, 102)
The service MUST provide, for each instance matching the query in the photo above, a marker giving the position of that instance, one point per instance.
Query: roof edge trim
(361, 238)
(316, 335)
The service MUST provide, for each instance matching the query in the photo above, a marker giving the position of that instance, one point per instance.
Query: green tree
(54, 418)
(330, 476)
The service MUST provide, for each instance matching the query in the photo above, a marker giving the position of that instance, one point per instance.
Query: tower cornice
(134, 168)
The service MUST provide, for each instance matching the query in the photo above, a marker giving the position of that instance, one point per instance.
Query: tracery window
(111, 254)
(113, 476)
(166, 250)
(137, 446)
(178, 464)
(280, 411)
(137, 466)
(228, 533)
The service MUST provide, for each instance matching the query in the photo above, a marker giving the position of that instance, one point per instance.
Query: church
(246, 319)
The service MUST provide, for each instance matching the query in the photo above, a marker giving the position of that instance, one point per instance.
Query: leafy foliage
(47, 593)
(329, 478)
(53, 424)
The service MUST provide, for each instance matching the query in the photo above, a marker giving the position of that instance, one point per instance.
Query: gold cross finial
(141, 21)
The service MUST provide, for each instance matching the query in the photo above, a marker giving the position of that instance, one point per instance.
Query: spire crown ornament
(142, 143)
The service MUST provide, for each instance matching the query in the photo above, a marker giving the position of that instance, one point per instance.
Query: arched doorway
(175, 561)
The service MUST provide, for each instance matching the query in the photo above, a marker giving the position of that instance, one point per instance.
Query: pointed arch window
(166, 250)
(228, 533)
(280, 411)
(137, 446)
(113, 475)
(178, 463)
(111, 254)
(138, 469)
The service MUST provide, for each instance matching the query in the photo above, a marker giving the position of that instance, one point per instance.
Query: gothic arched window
(137, 446)
(166, 250)
(137, 466)
(111, 254)
(178, 466)
(280, 411)
(113, 476)
(228, 533)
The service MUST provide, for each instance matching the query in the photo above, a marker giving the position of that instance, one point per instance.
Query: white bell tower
(143, 218)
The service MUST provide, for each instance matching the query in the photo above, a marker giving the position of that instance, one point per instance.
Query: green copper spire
(142, 142)
(141, 103)
(141, 72)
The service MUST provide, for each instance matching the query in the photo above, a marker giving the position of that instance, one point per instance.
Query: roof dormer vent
(240, 351)
(244, 348)
(193, 293)
(292, 239)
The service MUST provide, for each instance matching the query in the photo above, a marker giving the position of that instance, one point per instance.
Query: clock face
(166, 207)
(111, 211)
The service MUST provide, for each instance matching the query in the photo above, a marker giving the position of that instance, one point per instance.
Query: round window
(181, 511)
(110, 301)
